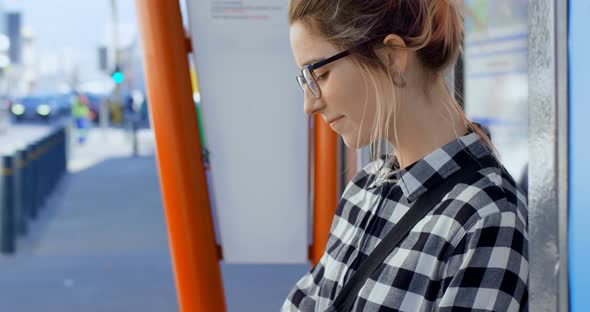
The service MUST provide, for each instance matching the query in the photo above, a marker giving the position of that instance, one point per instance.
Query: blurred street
(261, 137)
(100, 243)
(108, 143)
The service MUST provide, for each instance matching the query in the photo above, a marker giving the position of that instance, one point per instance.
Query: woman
(373, 69)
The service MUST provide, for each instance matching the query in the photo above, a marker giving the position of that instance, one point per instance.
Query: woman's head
(433, 28)
(411, 44)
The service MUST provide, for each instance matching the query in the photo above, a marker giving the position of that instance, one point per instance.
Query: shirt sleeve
(488, 268)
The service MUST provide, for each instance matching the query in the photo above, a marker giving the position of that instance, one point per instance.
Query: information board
(255, 128)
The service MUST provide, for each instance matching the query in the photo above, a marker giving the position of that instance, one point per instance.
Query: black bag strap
(349, 292)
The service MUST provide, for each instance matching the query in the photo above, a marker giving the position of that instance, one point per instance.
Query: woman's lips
(334, 121)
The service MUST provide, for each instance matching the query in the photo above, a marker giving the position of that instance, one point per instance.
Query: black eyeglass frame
(302, 80)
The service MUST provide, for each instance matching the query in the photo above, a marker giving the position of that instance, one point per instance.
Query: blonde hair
(431, 28)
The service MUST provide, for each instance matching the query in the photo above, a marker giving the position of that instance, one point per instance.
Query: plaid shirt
(469, 253)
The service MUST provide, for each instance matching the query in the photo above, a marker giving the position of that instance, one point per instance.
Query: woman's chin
(353, 142)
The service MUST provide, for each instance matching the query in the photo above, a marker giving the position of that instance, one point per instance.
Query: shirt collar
(431, 170)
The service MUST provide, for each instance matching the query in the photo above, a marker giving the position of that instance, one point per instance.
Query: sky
(70, 31)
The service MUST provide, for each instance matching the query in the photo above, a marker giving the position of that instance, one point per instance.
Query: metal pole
(103, 115)
(116, 107)
(180, 158)
(134, 129)
(548, 150)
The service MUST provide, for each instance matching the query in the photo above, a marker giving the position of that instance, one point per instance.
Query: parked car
(36, 107)
(64, 102)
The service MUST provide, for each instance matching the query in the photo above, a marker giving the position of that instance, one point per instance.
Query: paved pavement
(100, 243)
(17, 136)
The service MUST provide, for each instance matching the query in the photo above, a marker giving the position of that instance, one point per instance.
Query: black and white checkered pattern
(469, 253)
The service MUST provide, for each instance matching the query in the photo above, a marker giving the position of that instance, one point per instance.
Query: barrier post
(28, 183)
(34, 167)
(8, 239)
(20, 167)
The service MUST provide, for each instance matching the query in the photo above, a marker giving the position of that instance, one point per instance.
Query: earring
(399, 79)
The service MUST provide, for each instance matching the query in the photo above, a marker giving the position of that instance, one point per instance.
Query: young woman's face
(345, 103)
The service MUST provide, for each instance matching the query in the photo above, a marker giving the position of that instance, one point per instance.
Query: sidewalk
(100, 244)
(17, 136)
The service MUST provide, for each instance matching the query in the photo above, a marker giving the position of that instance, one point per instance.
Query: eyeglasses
(308, 77)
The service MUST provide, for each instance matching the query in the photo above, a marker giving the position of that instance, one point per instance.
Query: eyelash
(322, 76)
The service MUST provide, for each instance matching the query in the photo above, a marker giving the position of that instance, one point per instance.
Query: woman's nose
(311, 105)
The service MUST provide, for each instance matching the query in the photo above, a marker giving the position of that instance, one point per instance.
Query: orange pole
(326, 181)
(182, 175)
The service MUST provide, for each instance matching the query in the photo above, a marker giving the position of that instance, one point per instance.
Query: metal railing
(29, 175)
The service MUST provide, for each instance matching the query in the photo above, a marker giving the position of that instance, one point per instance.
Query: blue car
(36, 108)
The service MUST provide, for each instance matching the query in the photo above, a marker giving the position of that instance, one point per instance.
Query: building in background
(19, 75)
(29, 61)
(4, 49)
(131, 63)
(14, 33)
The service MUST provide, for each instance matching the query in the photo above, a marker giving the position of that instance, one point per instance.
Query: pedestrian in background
(80, 113)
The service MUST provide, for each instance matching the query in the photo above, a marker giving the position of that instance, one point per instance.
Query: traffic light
(117, 75)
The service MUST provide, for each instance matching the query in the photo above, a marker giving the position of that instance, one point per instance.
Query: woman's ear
(394, 53)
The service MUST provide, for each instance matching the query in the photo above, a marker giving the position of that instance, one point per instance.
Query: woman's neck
(427, 121)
